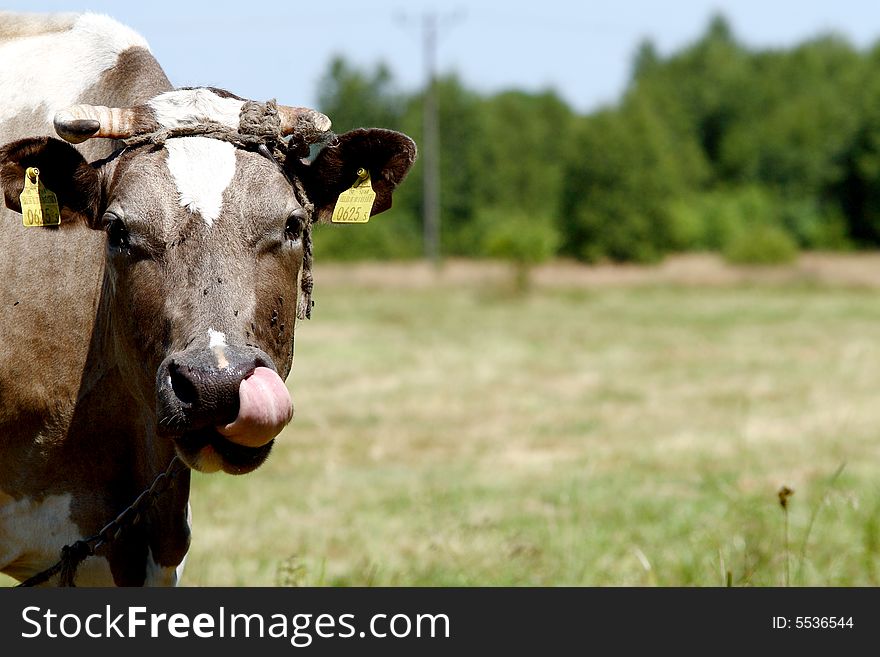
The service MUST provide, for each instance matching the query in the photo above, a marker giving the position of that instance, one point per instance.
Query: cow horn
(80, 122)
(307, 123)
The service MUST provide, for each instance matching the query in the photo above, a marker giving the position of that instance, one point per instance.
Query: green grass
(620, 436)
(612, 435)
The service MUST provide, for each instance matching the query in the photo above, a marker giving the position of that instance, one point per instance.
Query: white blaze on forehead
(188, 107)
(55, 69)
(202, 169)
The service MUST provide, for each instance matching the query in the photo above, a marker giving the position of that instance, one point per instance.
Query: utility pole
(430, 143)
(429, 149)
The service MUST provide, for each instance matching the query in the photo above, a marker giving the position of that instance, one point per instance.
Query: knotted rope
(74, 554)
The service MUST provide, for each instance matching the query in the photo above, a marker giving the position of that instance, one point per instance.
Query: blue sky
(583, 50)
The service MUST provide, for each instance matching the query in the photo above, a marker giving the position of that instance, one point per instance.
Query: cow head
(207, 252)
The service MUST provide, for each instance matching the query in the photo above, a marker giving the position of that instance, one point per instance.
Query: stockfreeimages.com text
(300, 629)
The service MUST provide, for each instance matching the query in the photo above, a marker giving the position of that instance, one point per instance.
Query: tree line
(753, 153)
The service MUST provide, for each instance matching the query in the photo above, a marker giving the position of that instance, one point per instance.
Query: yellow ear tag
(355, 204)
(39, 205)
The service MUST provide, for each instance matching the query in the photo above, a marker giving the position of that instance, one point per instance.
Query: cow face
(204, 253)
(204, 246)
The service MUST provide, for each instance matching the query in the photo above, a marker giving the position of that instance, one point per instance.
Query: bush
(615, 232)
(761, 245)
(388, 236)
(814, 227)
(688, 225)
(707, 221)
(751, 224)
(522, 240)
(624, 169)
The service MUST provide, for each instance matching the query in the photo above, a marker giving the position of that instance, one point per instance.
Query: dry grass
(697, 269)
(618, 426)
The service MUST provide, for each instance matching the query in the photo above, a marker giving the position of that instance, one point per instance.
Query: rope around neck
(74, 554)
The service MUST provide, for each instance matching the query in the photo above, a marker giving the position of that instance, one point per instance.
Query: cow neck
(74, 554)
(131, 446)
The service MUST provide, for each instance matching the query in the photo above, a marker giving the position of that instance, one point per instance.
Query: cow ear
(386, 154)
(62, 169)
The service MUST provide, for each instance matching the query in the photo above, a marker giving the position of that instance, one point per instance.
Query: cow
(155, 323)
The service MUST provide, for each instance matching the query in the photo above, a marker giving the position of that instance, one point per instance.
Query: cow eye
(117, 233)
(294, 226)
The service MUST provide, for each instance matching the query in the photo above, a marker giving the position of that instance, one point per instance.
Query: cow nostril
(183, 387)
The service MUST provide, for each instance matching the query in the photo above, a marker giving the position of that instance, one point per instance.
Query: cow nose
(195, 389)
(181, 379)
(206, 391)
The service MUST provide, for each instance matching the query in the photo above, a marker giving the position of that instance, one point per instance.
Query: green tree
(354, 98)
(711, 146)
(699, 91)
(857, 191)
(461, 136)
(521, 155)
(796, 140)
(626, 168)
(524, 146)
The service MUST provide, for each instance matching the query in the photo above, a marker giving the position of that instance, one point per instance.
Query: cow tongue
(264, 409)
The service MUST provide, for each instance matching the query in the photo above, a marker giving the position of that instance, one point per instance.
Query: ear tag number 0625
(39, 205)
(355, 204)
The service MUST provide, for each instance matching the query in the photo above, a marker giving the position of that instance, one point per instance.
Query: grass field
(614, 426)
(628, 427)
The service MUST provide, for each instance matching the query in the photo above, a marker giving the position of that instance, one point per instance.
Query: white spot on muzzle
(217, 342)
(216, 338)
(202, 169)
